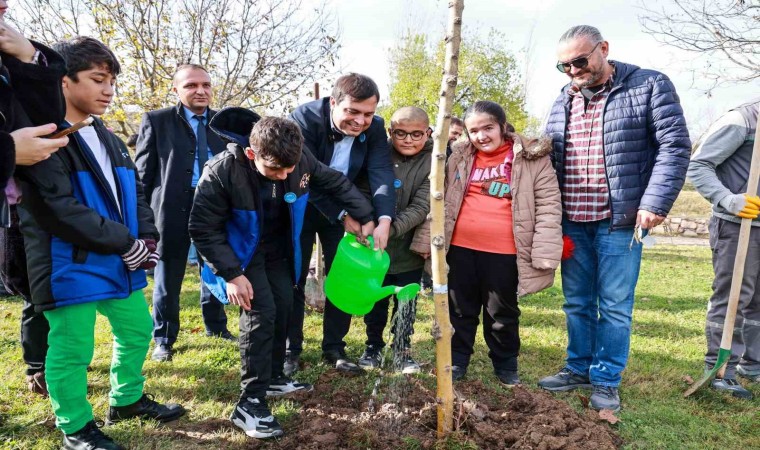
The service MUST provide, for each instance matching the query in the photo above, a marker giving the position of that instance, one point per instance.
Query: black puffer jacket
(226, 222)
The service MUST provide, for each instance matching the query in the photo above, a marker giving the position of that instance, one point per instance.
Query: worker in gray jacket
(719, 170)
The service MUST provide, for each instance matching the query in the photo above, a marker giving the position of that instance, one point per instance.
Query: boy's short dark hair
(277, 141)
(457, 121)
(83, 53)
(355, 85)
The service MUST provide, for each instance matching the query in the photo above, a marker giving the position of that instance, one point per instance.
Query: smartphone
(76, 127)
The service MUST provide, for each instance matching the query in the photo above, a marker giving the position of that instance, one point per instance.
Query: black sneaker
(145, 408)
(564, 380)
(409, 366)
(605, 397)
(371, 358)
(458, 372)
(341, 363)
(732, 386)
(89, 438)
(508, 377)
(284, 386)
(291, 365)
(162, 352)
(253, 416)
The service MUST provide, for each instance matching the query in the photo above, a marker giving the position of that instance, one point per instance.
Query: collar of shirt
(192, 120)
(606, 86)
(335, 134)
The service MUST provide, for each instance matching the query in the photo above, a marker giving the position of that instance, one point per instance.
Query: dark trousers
(34, 326)
(378, 317)
(745, 347)
(262, 329)
(487, 282)
(168, 276)
(336, 323)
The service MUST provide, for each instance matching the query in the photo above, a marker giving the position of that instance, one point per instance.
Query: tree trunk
(442, 329)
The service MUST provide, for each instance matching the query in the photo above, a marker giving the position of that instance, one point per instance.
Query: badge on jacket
(304, 180)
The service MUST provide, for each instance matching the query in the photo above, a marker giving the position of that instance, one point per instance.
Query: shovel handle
(741, 254)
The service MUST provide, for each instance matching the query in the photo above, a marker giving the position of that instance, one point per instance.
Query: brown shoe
(37, 384)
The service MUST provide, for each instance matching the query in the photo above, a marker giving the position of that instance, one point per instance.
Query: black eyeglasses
(578, 63)
(416, 135)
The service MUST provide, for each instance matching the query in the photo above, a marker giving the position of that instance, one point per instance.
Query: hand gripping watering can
(354, 283)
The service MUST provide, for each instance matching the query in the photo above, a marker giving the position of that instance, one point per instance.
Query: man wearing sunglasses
(621, 151)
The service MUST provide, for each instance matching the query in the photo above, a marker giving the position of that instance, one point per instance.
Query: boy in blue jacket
(246, 223)
(89, 235)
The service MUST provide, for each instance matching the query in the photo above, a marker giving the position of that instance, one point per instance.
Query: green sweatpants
(71, 347)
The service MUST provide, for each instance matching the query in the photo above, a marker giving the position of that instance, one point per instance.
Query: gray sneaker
(751, 375)
(605, 397)
(732, 386)
(564, 380)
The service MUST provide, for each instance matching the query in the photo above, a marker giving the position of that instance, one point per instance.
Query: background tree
(487, 71)
(725, 32)
(259, 53)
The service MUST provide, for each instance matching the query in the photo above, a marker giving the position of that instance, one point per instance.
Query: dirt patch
(401, 413)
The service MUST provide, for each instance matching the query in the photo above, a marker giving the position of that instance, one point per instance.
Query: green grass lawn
(668, 343)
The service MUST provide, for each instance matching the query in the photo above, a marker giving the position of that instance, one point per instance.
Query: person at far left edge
(173, 145)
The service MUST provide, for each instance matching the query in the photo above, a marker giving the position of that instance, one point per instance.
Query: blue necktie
(202, 144)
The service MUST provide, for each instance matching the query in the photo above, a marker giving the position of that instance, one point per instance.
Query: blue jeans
(598, 282)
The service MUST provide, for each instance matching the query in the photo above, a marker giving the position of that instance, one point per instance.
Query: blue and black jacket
(74, 230)
(225, 222)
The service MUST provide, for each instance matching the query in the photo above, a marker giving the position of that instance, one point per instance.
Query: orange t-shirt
(485, 217)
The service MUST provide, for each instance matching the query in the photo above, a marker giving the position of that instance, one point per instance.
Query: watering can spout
(354, 283)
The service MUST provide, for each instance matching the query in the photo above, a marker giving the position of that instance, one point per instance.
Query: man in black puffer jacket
(621, 150)
(246, 223)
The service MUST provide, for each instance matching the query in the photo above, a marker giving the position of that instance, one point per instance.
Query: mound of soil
(402, 413)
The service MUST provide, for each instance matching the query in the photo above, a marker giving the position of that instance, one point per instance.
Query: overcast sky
(371, 27)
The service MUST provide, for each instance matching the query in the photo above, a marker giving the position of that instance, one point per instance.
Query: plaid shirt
(585, 197)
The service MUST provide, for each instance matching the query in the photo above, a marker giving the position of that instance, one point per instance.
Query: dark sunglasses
(578, 63)
(415, 135)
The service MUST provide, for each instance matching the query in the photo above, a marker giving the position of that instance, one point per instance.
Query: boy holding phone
(89, 236)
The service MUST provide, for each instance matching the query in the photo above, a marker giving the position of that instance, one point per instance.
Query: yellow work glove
(751, 207)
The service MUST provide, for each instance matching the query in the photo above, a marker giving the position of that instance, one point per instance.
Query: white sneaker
(284, 386)
(253, 416)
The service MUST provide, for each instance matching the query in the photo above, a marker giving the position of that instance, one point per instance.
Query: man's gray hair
(582, 31)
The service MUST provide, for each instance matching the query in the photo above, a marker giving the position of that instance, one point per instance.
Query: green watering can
(354, 283)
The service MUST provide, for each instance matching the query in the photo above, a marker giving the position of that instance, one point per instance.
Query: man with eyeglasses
(621, 151)
(343, 132)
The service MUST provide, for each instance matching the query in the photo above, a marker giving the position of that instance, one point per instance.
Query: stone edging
(682, 226)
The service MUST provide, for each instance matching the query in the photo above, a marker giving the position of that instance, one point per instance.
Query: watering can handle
(368, 242)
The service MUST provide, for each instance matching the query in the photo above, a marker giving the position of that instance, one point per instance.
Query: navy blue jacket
(225, 222)
(74, 232)
(646, 143)
(370, 157)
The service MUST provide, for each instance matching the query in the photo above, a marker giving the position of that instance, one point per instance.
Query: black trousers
(335, 323)
(13, 271)
(484, 282)
(376, 319)
(262, 329)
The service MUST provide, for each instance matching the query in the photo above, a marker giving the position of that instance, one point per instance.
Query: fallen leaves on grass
(608, 416)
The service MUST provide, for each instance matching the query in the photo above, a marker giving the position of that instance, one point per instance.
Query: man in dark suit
(173, 145)
(343, 132)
